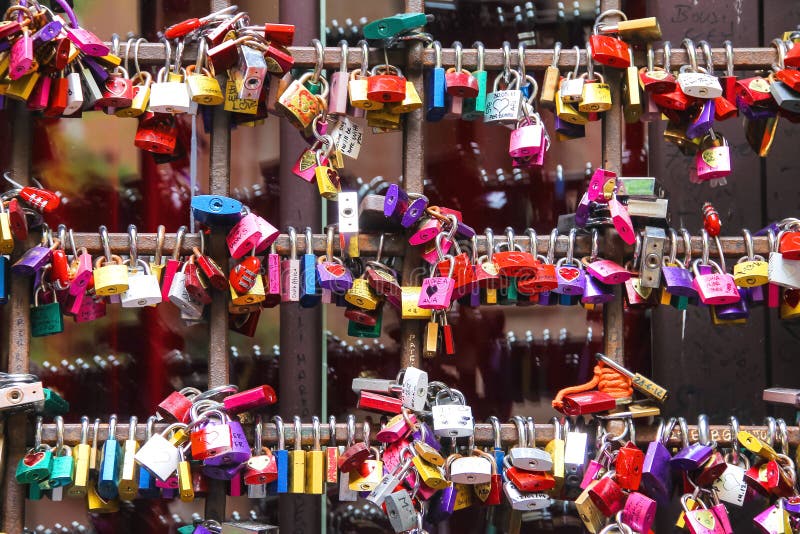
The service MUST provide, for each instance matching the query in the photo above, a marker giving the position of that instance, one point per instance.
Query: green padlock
(35, 492)
(53, 404)
(62, 470)
(46, 319)
(474, 108)
(355, 329)
(508, 295)
(35, 466)
(394, 25)
(186, 529)
(110, 465)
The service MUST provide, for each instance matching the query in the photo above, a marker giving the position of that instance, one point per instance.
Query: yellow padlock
(315, 463)
(110, 278)
(141, 96)
(297, 461)
(254, 296)
(411, 102)
(234, 104)
(790, 304)
(299, 105)
(567, 112)
(6, 236)
(328, 181)
(22, 87)
(591, 516)
(361, 295)
(556, 448)
(383, 118)
(409, 304)
(203, 87)
(368, 475)
(97, 505)
(596, 96)
(357, 91)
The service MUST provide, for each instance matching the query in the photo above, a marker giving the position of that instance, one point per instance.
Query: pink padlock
(713, 160)
(73, 303)
(427, 231)
(437, 291)
(639, 512)
(21, 60)
(526, 138)
(594, 470)
(306, 165)
(608, 272)
(268, 234)
(244, 236)
(40, 95)
(86, 41)
(83, 274)
(622, 220)
(273, 278)
(397, 428)
(538, 159)
(715, 288)
(597, 184)
(90, 310)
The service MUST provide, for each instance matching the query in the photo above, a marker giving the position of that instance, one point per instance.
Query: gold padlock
(591, 516)
(790, 304)
(368, 475)
(409, 300)
(596, 96)
(21, 88)
(110, 278)
(299, 105)
(361, 295)
(410, 103)
(567, 112)
(328, 181)
(141, 96)
(235, 104)
(96, 504)
(204, 87)
(315, 463)
(383, 118)
(465, 497)
(357, 91)
(6, 236)
(255, 295)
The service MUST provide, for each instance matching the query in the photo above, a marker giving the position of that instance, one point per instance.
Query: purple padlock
(222, 472)
(32, 261)
(240, 449)
(702, 124)
(571, 278)
(548, 298)
(244, 236)
(333, 275)
(200, 529)
(690, 457)
(678, 281)
(608, 272)
(48, 32)
(569, 129)
(415, 211)
(98, 72)
(596, 292)
(582, 212)
(755, 113)
(757, 294)
(425, 433)
(656, 476)
(395, 203)
(736, 310)
(169, 493)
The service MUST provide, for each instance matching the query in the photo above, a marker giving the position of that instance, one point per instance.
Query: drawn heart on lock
(500, 104)
(335, 269)
(33, 459)
(791, 297)
(432, 290)
(568, 273)
(710, 157)
(333, 176)
(706, 518)
(210, 436)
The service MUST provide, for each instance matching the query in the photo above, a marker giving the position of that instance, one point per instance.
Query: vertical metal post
(613, 312)
(413, 176)
(19, 338)
(301, 328)
(219, 184)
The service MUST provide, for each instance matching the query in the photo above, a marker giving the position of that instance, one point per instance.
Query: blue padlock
(216, 210)
(108, 477)
(281, 484)
(310, 292)
(5, 278)
(435, 104)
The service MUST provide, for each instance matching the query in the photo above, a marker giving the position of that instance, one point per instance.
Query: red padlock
(754, 91)
(59, 273)
(607, 495)
(58, 97)
(195, 286)
(712, 469)
(609, 51)
(17, 219)
(243, 275)
(724, 109)
(789, 245)
(282, 34)
(211, 270)
(764, 478)
(587, 402)
(386, 84)
(368, 400)
(674, 100)
(117, 90)
(157, 133)
(463, 273)
(629, 463)
(530, 481)
(177, 405)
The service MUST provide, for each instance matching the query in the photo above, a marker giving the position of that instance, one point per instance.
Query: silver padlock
(169, 97)
(247, 527)
(389, 482)
(506, 105)
(400, 510)
(158, 455)
(74, 94)
(471, 470)
(180, 297)
(143, 289)
(574, 457)
(376, 385)
(652, 256)
(250, 73)
(696, 81)
(525, 501)
(571, 90)
(415, 388)
(731, 486)
(782, 272)
(452, 420)
(525, 455)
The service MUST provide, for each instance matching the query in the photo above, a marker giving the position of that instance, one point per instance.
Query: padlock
(702, 123)
(249, 73)
(315, 463)
(570, 277)
(159, 455)
(169, 96)
(156, 133)
(592, 517)
(243, 276)
(503, 106)
(46, 319)
(713, 160)
(129, 474)
(397, 428)
(459, 81)
(472, 470)
(607, 495)
(609, 51)
(328, 181)
(386, 84)
(203, 86)
(214, 438)
(656, 479)
(437, 291)
(690, 457)
(452, 420)
(525, 455)
(34, 259)
(716, 288)
(700, 520)
(639, 512)
(595, 96)
(773, 520)
(357, 92)
(628, 467)
(528, 481)
(299, 105)
(62, 472)
(474, 108)
(109, 471)
(143, 289)
(368, 475)
(525, 501)
(571, 88)
(526, 138)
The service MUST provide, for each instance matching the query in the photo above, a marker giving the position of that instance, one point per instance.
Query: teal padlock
(35, 492)
(108, 477)
(54, 404)
(186, 529)
(63, 472)
(474, 108)
(46, 319)
(508, 295)
(35, 466)
(355, 329)
(394, 25)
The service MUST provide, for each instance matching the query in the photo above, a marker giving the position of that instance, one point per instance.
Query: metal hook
(161, 234)
(167, 53)
(688, 44)
(59, 420)
(344, 51)
(176, 68)
(534, 241)
(72, 243)
(577, 51)
(595, 244)
(506, 61)
(364, 57)
(320, 57)
(459, 59)
(706, 247)
(481, 50)
(687, 247)
(309, 240)
(734, 423)
(780, 47)
(521, 60)
(201, 52)
(667, 56)
(128, 45)
(332, 430)
(281, 431)
(139, 41)
(176, 252)
(706, 49)
(133, 245)
(292, 242)
(379, 252)
(351, 430)
(651, 57)
(728, 58)
(104, 240)
(551, 250)
(37, 438)
(589, 62)
(556, 54)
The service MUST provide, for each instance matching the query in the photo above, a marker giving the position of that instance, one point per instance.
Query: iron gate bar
(483, 433)
(747, 58)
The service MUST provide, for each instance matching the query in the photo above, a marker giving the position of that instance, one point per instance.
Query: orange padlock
(386, 84)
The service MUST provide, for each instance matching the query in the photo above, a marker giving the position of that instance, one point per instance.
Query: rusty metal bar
(413, 176)
(536, 59)
(19, 331)
(483, 433)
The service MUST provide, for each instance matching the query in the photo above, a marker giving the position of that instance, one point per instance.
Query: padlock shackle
(706, 49)
(481, 51)
(688, 45)
(519, 424)
(521, 60)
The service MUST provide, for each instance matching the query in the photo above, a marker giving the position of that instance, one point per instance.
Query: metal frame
(416, 58)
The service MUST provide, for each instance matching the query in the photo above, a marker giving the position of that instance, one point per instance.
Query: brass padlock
(596, 97)
(567, 112)
(410, 103)
(203, 87)
(110, 277)
(299, 105)
(141, 96)
(361, 295)
(383, 118)
(328, 181)
(255, 295)
(357, 90)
